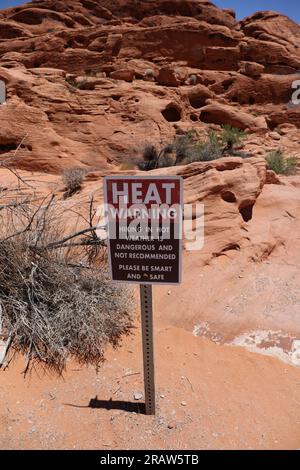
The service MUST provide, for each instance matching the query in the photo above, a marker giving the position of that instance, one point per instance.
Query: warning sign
(144, 218)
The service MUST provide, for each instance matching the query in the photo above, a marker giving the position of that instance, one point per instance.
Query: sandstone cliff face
(89, 82)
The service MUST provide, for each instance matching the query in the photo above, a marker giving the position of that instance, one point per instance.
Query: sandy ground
(208, 397)
(211, 392)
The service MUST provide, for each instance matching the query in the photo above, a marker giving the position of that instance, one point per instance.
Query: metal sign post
(144, 220)
(148, 348)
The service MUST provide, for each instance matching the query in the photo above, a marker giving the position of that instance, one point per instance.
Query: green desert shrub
(209, 149)
(152, 158)
(184, 149)
(187, 148)
(280, 164)
(171, 154)
(166, 160)
(192, 80)
(149, 160)
(149, 74)
(80, 85)
(231, 136)
(183, 146)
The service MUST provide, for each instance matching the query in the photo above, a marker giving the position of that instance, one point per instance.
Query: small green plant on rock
(153, 158)
(187, 148)
(280, 164)
(174, 153)
(231, 137)
(149, 74)
(192, 80)
(80, 85)
(183, 146)
(149, 158)
(209, 149)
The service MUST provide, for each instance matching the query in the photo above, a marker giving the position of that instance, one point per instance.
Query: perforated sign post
(144, 219)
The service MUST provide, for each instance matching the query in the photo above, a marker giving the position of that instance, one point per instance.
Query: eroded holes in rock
(37, 62)
(194, 117)
(28, 17)
(212, 117)
(88, 4)
(181, 9)
(208, 118)
(197, 101)
(227, 84)
(70, 44)
(228, 196)
(271, 124)
(231, 246)
(80, 40)
(258, 16)
(207, 82)
(116, 97)
(251, 100)
(171, 114)
(247, 212)
(9, 147)
(8, 65)
(116, 48)
(82, 20)
(234, 99)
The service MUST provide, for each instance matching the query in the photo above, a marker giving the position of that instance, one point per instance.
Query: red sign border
(139, 177)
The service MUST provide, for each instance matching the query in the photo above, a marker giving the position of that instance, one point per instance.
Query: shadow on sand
(128, 406)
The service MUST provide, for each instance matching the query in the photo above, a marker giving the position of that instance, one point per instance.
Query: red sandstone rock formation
(244, 73)
(88, 84)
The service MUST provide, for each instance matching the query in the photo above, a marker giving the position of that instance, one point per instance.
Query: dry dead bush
(51, 310)
(73, 179)
(54, 302)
